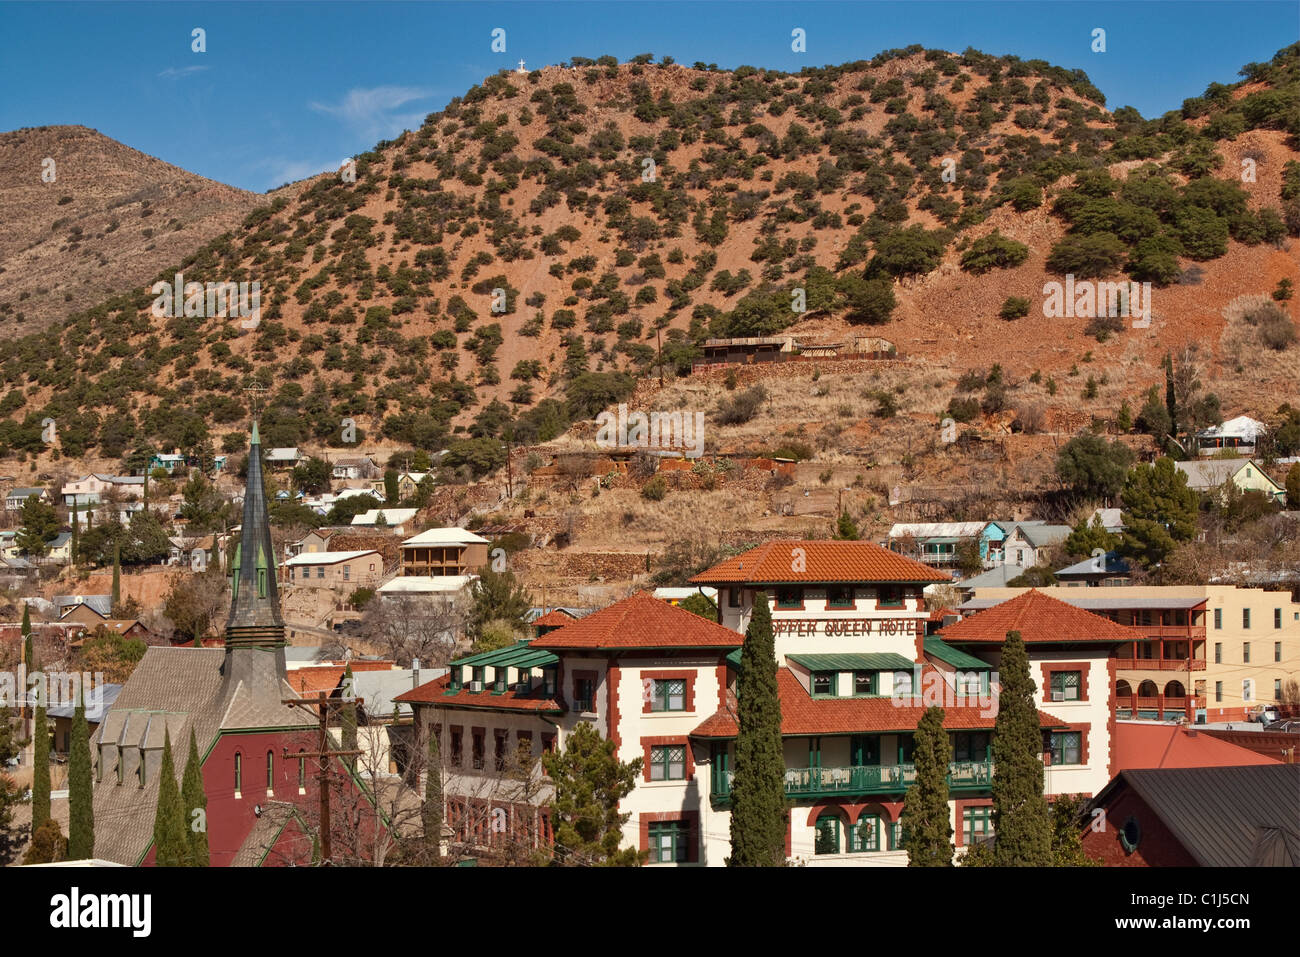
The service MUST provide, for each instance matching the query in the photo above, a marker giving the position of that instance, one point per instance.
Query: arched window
(1123, 689)
(1174, 690)
(828, 834)
(239, 773)
(1148, 689)
(270, 771)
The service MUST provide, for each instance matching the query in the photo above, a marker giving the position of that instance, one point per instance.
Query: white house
(395, 519)
(16, 497)
(1241, 434)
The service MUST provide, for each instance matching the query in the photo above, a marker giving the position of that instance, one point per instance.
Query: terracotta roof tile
(1038, 618)
(803, 714)
(435, 692)
(1139, 746)
(555, 618)
(819, 561)
(641, 621)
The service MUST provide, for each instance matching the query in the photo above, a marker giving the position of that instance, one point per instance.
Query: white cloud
(172, 72)
(373, 113)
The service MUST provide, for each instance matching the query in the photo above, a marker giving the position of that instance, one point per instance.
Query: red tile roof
(818, 561)
(555, 618)
(314, 678)
(1038, 618)
(641, 621)
(803, 714)
(435, 693)
(1142, 746)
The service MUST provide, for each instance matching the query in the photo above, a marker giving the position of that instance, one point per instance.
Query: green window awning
(950, 655)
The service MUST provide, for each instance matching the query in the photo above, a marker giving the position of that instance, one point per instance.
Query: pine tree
(81, 799)
(171, 846)
(1171, 400)
(194, 798)
(925, 810)
(75, 523)
(758, 805)
(40, 767)
(29, 658)
(589, 782)
(348, 718)
(1021, 820)
(117, 576)
(431, 813)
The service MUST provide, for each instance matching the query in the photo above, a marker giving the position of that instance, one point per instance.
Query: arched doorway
(1148, 689)
(1175, 689)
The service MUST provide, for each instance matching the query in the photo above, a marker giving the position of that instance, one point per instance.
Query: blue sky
(287, 89)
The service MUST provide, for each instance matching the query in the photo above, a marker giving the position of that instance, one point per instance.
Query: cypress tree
(758, 806)
(117, 576)
(194, 798)
(349, 718)
(75, 523)
(431, 813)
(81, 801)
(171, 847)
(40, 766)
(925, 810)
(28, 656)
(1021, 820)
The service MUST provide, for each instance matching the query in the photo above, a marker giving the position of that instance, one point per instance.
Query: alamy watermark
(208, 300)
(655, 430)
(53, 689)
(931, 689)
(1086, 299)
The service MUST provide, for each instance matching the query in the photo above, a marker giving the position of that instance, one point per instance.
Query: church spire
(254, 620)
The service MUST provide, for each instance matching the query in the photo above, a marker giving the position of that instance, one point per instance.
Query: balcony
(861, 780)
(1159, 664)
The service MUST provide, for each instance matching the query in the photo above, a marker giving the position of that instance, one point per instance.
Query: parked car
(1267, 714)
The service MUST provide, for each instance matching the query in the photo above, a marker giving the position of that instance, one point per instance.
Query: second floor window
(669, 694)
(1067, 747)
(890, 596)
(583, 693)
(864, 682)
(1245, 652)
(668, 763)
(1065, 685)
(977, 823)
(478, 751)
(789, 597)
(824, 682)
(839, 596)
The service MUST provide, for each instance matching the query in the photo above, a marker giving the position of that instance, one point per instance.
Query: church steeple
(254, 620)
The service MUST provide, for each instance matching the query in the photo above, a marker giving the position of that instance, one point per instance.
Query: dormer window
(499, 685)
(789, 596)
(890, 596)
(864, 682)
(824, 682)
(839, 596)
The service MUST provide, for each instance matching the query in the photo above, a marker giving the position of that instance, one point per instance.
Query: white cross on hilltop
(521, 67)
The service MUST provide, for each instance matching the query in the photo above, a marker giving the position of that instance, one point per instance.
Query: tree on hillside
(1159, 511)
(81, 799)
(925, 809)
(589, 782)
(497, 596)
(194, 807)
(845, 528)
(1021, 822)
(758, 804)
(312, 475)
(40, 526)
(1093, 467)
(700, 604)
(170, 840)
(197, 602)
(1085, 538)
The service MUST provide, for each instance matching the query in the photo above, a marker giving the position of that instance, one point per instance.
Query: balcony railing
(1160, 664)
(863, 779)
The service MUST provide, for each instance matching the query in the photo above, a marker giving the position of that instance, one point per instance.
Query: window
(1248, 690)
(865, 835)
(583, 691)
(1218, 618)
(897, 836)
(1067, 747)
(1245, 618)
(839, 596)
(1245, 652)
(1277, 617)
(320, 571)
(906, 748)
(889, 596)
(239, 773)
(970, 746)
(548, 681)
(824, 682)
(1277, 651)
(668, 694)
(668, 763)
(977, 823)
(733, 597)
(1218, 652)
(270, 771)
(1218, 692)
(457, 750)
(1277, 689)
(347, 573)
(501, 736)
(864, 682)
(789, 596)
(669, 842)
(1065, 685)
(524, 744)
(827, 840)
(477, 755)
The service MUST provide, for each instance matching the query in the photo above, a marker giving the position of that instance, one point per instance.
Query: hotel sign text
(831, 627)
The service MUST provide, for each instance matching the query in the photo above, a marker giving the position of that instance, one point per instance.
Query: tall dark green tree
(81, 798)
(497, 596)
(76, 522)
(29, 658)
(1021, 820)
(117, 576)
(171, 846)
(1171, 398)
(40, 766)
(1159, 512)
(195, 799)
(431, 812)
(758, 805)
(925, 810)
(9, 794)
(589, 782)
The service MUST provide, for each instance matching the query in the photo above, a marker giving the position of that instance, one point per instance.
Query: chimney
(415, 673)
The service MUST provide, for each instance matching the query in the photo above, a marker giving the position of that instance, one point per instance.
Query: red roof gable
(314, 678)
(641, 621)
(555, 618)
(1038, 618)
(817, 561)
(1142, 746)
(803, 714)
(435, 692)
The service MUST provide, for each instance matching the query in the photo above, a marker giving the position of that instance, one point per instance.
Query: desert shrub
(740, 408)
(1014, 307)
(993, 251)
(1086, 257)
(655, 489)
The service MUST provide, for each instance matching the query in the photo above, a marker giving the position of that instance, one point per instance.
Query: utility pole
(321, 706)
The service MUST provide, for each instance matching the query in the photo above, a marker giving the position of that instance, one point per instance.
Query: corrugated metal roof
(518, 655)
(958, 659)
(1226, 817)
(867, 661)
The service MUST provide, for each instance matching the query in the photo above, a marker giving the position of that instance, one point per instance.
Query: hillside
(108, 220)
(599, 202)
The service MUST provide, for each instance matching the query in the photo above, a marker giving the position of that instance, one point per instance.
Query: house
(1107, 569)
(94, 488)
(395, 519)
(354, 467)
(933, 543)
(1026, 545)
(283, 458)
(1111, 519)
(1208, 475)
(354, 569)
(169, 462)
(59, 549)
(999, 576)
(1246, 816)
(1240, 434)
(15, 498)
(748, 350)
(408, 483)
(91, 622)
(254, 747)
(102, 605)
(97, 701)
(444, 551)
(555, 618)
